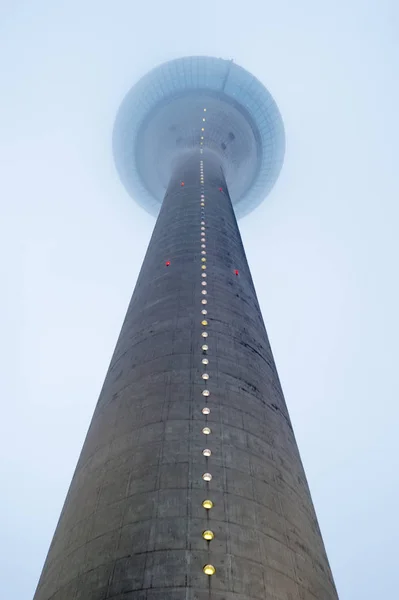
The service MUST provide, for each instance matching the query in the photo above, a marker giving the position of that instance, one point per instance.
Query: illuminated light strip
(207, 504)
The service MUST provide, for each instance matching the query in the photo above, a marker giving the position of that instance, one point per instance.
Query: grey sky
(323, 249)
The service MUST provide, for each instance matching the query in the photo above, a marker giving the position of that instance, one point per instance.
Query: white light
(207, 477)
(204, 301)
(206, 452)
(203, 246)
(205, 361)
(203, 251)
(205, 376)
(204, 334)
(205, 392)
(204, 347)
(206, 410)
(206, 430)
(204, 292)
(203, 282)
(203, 274)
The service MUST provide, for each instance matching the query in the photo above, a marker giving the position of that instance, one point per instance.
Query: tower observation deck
(190, 484)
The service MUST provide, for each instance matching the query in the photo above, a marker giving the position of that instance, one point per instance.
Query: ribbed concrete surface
(132, 523)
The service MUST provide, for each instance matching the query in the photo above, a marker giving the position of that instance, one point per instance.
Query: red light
(220, 189)
(182, 183)
(236, 272)
(167, 263)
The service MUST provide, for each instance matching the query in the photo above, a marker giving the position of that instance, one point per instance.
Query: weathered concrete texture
(131, 527)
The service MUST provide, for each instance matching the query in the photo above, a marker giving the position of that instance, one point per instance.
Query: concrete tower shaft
(133, 523)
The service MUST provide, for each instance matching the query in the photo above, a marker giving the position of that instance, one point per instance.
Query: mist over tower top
(205, 105)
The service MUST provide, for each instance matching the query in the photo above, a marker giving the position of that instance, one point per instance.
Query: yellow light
(209, 569)
(203, 266)
(204, 322)
(207, 504)
(202, 128)
(208, 535)
(203, 259)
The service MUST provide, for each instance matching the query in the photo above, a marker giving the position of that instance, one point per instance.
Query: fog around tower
(322, 249)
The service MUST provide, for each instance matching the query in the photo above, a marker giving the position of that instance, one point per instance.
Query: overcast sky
(323, 249)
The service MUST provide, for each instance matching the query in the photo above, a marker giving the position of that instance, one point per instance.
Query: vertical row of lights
(207, 504)
(202, 136)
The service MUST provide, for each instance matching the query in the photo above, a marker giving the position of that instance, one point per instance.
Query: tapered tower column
(190, 484)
